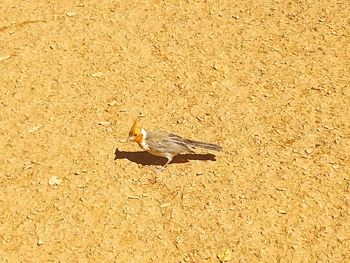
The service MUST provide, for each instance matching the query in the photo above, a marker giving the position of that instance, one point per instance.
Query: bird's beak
(130, 139)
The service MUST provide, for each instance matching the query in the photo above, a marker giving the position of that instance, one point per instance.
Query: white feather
(143, 143)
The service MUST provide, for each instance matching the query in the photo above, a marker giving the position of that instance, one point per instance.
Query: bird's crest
(136, 127)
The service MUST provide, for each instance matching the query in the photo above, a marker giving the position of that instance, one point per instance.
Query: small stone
(133, 197)
(335, 166)
(54, 180)
(71, 13)
(33, 129)
(281, 189)
(226, 256)
(282, 212)
(39, 242)
(104, 123)
(3, 58)
(309, 150)
(112, 103)
(200, 118)
(97, 75)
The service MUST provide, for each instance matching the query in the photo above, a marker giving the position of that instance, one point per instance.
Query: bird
(164, 144)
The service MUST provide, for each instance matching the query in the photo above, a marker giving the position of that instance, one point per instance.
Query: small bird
(164, 144)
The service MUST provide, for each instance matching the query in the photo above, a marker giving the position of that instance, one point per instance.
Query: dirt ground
(267, 80)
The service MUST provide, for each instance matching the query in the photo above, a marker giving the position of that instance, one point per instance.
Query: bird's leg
(170, 158)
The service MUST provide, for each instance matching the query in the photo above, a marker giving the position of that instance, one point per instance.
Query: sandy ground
(267, 80)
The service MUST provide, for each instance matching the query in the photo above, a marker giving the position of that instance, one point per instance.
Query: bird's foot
(157, 169)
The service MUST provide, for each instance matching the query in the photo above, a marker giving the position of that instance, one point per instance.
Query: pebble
(309, 150)
(71, 13)
(104, 123)
(3, 58)
(54, 180)
(97, 75)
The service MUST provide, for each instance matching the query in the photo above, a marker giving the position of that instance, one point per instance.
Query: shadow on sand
(144, 158)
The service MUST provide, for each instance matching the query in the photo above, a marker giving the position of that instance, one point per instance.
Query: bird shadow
(145, 158)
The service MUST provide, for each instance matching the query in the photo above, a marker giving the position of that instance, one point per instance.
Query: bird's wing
(167, 142)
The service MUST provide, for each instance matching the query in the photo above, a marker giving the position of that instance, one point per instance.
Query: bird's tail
(204, 145)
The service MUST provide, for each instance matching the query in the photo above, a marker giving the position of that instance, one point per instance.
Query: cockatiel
(164, 144)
